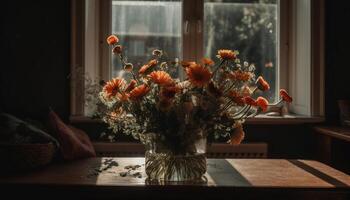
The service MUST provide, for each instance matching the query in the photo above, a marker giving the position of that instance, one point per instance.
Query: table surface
(265, 173)
(339, 132)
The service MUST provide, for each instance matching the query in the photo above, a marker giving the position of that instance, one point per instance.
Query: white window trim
(294, 59)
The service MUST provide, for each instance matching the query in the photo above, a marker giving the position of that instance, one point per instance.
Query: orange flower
(148, 66)
(123, 96)
(112, 39)
(285, 96)
(240, 75)
(262, 103)
(139, 92)
(117, 49)
(198, 75)
(237, 136)
(113, 86)
(143, 69)
(186, 64)
(169, 92)
(161, 78)
(207, 61)
(131, 86)
(249, 101)
(262, 84)
(212, 89)
(152, 63)
(226, 54)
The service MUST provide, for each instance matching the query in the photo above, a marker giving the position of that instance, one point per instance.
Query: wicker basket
(23, 157)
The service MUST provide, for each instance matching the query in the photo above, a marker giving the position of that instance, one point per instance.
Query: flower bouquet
(174, 118)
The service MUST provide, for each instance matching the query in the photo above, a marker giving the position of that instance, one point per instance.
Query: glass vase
(185, 164)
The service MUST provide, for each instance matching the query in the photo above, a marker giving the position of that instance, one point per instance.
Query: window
(250, 27)
(143, 26)
(274, 35)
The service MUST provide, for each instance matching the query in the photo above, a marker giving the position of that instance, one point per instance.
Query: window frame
(91, 20)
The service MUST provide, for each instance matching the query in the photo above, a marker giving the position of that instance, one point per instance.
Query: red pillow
(74, 143)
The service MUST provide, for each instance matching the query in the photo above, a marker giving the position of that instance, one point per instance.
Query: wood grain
(294, 178)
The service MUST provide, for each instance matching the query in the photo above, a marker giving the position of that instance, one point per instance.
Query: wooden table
(333, 146)
(226, 179)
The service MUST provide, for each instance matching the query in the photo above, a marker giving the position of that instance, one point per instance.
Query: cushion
(16, 131)
(74, 143)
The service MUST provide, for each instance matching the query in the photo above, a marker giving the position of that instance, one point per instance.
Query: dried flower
(285, 96)
(262, 84)
(112, 39)
(207, 61)
(139, 92)
(128, 67)
(157, 52)
(160, 78)
(117, 49)
(262, 103)
(198, 75)
(113, 86)
(226, 54)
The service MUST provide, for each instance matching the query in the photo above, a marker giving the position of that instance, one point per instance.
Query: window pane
(249, 26)
(143, 26)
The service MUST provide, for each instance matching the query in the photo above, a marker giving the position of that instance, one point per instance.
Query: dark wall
(35, 50)
(337, 56)
(35, 58)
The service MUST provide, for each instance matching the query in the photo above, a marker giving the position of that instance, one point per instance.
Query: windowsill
(286, 119)
(260, 119)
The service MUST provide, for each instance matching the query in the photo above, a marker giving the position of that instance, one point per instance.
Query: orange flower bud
(249, 101)
(285, 96)
(207, 61)
(131, 86)
(262, 103)
(112, 39)
(262, 84)
(237, 136)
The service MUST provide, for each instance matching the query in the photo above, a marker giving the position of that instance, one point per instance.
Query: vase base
(163, 167)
